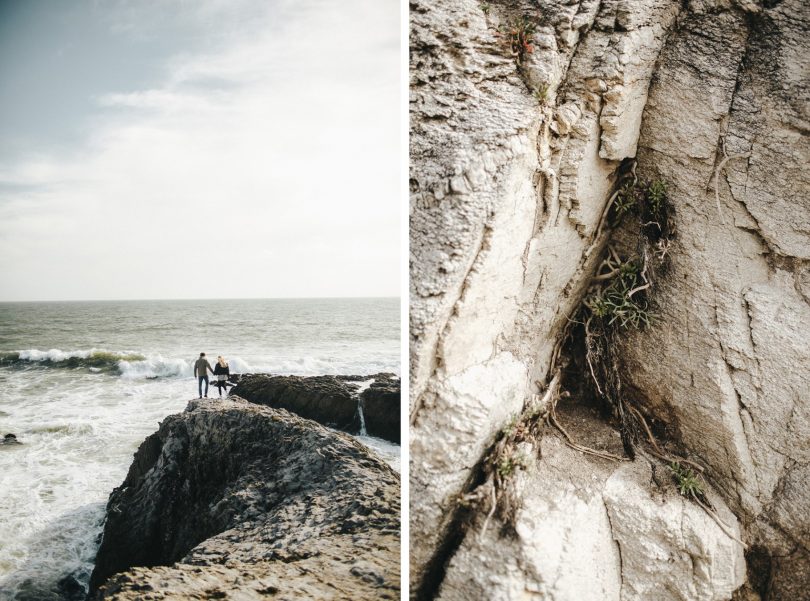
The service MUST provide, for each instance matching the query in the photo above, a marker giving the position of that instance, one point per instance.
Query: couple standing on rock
(221, 371)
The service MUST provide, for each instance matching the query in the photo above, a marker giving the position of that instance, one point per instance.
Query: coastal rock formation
(729, 358)
(615, 523)
(234, 500)
(381, 402)
(524, 115)
(331, 400)
(10, 439)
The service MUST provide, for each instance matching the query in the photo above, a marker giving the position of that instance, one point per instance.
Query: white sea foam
(133, 364)
(388, 451)
(53, 354)
(95, 379)
(155, 367)
(78, 437)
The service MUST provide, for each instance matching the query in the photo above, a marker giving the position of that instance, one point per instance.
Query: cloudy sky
(199, 149)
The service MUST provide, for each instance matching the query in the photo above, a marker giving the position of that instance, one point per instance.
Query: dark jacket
(219, 370)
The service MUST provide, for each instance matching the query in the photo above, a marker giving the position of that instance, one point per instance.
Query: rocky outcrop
(728, 362)
(515, 154)
(331, 400)
(10, 440)
(326, 399)
(234, 500)
(598, 530)
(381, 403)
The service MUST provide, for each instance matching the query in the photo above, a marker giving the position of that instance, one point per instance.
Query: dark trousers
(200, 380)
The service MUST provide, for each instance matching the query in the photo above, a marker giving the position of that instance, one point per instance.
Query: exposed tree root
(606, 211)
(609, 308)
(723, 526)
(718, 169)
(552, 416)
(669, 458)
(494, 502)
(657, 451)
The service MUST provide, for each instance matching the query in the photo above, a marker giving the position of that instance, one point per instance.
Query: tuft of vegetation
(485, 8)
(655, 194)
(519, 33)
(509, 428)
(541, 94)
(647, 200)
(627, 199)
(509, 464)
(617, 303)
(689, 484)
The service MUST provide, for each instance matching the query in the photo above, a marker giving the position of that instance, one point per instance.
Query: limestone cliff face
(513, 162)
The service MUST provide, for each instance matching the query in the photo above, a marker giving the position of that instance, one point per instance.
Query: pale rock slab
(670, 547)
(728, 363)
(593, 530)
(506, 197)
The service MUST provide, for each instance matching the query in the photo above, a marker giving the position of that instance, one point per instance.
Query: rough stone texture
(330, 400)
(728, 363)
(595, 530)
(230, 500)
(381, 408)
(507, 195)
(506, 198)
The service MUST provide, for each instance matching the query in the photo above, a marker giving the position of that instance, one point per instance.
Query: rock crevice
(682, 89)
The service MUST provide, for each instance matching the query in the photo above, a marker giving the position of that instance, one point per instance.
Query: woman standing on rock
(222, 371)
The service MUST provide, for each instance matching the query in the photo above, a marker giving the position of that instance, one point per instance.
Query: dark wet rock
(70, 589)
(230, 496)
(330, 400)
(10, 439)
(326, 399)
(66, 588)
(381, 403)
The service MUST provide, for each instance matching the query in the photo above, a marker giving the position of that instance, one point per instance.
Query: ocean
(83, 383)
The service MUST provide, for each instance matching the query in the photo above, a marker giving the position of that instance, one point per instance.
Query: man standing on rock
(201, 369)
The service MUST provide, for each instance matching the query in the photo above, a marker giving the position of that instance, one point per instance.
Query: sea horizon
(84, 382)
(235, 298)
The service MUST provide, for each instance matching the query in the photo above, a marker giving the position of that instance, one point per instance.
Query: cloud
(271, 159)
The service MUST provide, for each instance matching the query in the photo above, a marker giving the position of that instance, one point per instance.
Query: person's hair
(222, 361)
(202, 354)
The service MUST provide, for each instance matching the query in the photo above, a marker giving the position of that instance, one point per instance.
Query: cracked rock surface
(594, 529)
(512, 166)
(231, 500)
(331, 400)
(728, 361)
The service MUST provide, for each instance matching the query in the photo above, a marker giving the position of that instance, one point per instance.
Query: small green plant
(617, 302)
(519, 33)
(627, 199)
(689, 485)
(541, 94)
(656, 196)
(485, 8)
(509, 464)
(509, 428)
(647, 199)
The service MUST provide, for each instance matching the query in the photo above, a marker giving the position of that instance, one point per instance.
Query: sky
(199, 149)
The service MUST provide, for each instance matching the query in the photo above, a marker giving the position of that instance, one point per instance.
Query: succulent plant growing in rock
(689, 485)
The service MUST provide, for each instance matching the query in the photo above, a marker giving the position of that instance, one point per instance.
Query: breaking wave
(126, 364)
(137, 366)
